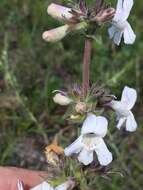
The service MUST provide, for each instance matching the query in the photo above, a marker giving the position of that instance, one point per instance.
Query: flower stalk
(86, 65)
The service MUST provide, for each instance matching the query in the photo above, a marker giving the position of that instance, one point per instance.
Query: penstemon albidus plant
(86, 102)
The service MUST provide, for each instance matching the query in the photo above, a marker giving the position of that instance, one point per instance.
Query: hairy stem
(86, 64)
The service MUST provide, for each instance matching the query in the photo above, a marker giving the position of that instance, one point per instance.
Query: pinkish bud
(105, 15)
(80, 107)
(56, 34)
(59, 33)
(59, 12)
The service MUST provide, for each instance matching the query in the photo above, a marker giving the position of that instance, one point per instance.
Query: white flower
(65, 15)
(62, 99)
(20, 185)
(46, 186)
(120, 26)
(91, 140)
(123, 109)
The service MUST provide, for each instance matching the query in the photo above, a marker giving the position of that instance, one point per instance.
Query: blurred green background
(31, 69)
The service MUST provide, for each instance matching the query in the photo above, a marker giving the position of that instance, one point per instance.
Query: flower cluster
(94, 128)
(80, 17)
(86, 109)
(70, 17)
(79, 105)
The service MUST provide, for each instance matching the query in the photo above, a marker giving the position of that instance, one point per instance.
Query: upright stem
(86, 64)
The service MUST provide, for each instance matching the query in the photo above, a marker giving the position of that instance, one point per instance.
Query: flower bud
(61, 99)
(59, 12)
(56, 34)
(59, 33)
(80, 107)
(105, 15)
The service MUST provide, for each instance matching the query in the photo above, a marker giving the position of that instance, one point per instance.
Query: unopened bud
(59, 12)
(80, 107)
(61, 99)
(105, 15)
(56, 34)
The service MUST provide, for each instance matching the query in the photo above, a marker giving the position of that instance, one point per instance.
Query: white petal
(59, 12)
(111, 31)
(121, 108)
(123, 10)
(129, 97)
(46, 186)
(75, 147)
(61, 187)
(85, 156)
(121, 122)
(116, 105)
(117, 37)
(101, 126)
(129, 35)
(56, 34)
(93, 124)
(89, 124)
(118, 116)
(20, 185)
(115, 33)
(65, 186)
(43, 186)
(131, 123)
(103, 154)
(127, 6)
(119, 5)
(119, 15)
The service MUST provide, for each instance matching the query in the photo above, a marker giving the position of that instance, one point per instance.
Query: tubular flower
(120, 26)
(91, 140)
(67, 15)
(123, 109)
(64, 186)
